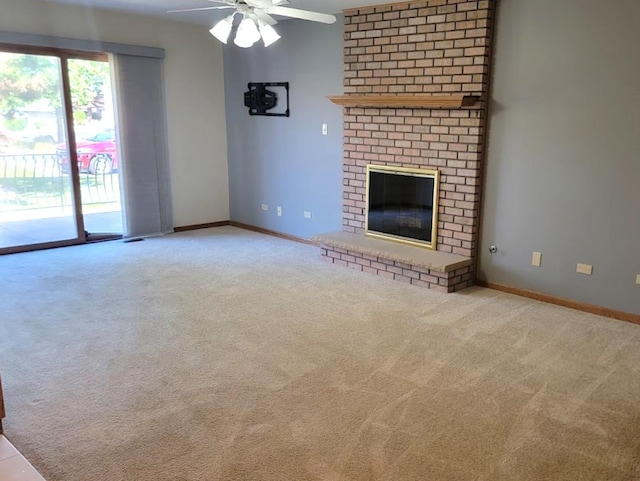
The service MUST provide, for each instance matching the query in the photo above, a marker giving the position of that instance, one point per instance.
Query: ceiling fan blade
(268, 19)
(263, 3)
(301, 14)
(198, 9)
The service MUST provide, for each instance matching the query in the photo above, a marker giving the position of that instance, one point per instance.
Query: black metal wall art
(261, 101)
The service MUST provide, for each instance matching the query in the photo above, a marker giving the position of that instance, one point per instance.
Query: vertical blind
(143, 145)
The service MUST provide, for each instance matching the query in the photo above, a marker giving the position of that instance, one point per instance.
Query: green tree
(25, 79)
(88, 80)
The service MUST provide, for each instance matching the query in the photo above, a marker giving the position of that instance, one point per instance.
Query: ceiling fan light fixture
(247, 33)
(222, 29)
(269, 34)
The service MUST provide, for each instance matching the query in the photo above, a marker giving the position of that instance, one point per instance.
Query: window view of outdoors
(94, 126)
(36, 188)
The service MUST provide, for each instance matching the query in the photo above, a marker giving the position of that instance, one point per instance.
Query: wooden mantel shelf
(410, 101)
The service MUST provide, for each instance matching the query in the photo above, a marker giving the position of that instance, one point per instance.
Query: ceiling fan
(257, 22)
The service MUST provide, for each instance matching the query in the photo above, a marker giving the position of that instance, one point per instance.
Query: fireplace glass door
(402, 204)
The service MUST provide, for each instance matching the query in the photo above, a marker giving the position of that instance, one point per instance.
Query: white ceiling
(158, 8)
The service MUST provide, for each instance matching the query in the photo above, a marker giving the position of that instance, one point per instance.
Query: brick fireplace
(432, 50)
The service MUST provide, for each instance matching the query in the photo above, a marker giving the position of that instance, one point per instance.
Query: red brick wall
(435, 47)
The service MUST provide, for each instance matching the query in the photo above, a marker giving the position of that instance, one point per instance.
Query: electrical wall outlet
(584, 269)
(638, 279)
(536, 259)
(307, 214)
(265, 207)
(279, 211)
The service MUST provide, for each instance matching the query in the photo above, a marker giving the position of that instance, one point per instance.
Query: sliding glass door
(37, 201)
(58, 159)
(96, 148)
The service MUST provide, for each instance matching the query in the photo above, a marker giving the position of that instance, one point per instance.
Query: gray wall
(563, 172)
(287, 161)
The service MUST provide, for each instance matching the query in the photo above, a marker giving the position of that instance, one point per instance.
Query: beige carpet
(228, 355)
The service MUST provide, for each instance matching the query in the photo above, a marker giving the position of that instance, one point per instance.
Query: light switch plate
(638, 279)
(536, 259)
(584, 269)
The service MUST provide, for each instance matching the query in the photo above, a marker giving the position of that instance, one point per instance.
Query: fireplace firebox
(402, 205)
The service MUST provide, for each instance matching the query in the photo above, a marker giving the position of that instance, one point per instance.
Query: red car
(97, 155)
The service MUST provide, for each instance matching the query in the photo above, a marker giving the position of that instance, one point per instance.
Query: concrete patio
(55, 226)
